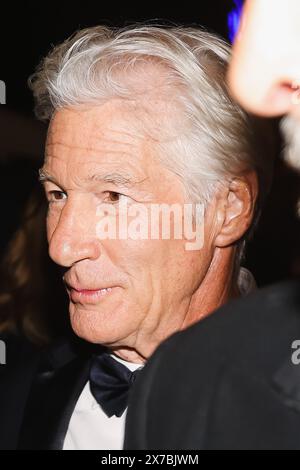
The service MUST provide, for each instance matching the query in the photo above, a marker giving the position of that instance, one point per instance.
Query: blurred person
(265, 71)
(233, 380)
(33, 310)
(25, 269)
(265, 68)
(28, 279)
(21, 148)
(140, 115)
(264, 78)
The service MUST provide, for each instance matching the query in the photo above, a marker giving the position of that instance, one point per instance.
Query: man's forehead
(75, 146)
(85, 127)
(90, 145)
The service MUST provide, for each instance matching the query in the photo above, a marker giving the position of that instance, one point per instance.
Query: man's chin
(95, 337)
(97, 328)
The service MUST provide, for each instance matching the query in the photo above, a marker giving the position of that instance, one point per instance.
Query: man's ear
(236, 208)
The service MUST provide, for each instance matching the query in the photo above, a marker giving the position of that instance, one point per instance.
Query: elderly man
(138, 117)
(235, 376)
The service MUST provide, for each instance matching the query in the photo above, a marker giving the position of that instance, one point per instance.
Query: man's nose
(74, 237)
(264, 74)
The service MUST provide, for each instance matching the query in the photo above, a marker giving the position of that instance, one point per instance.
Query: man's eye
(55, 196)
(112, 196)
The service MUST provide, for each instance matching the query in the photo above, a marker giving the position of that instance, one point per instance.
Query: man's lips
(83, 295)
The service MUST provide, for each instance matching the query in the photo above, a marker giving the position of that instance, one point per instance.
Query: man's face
(96, 156)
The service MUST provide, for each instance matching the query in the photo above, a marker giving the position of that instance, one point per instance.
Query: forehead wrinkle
(117, 179)
(107, 139)
(120, 132)
(83, 147)
(110, 134)
(124, 148)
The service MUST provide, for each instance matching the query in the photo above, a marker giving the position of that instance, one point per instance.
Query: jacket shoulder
(259, 328)
(247, 341)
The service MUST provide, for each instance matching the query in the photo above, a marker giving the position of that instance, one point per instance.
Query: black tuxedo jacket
(227, 382)
(38, 396)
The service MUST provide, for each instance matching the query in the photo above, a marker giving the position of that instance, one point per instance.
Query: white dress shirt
(91, 429)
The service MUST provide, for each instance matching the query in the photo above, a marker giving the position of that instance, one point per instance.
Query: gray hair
(215, 141)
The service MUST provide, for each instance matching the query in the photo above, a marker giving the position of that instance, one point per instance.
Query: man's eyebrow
(116, 179)
(45, 176)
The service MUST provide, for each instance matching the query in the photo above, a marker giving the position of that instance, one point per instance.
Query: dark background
(28, 30)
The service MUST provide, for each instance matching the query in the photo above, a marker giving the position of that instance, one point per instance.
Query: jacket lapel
(52, 399)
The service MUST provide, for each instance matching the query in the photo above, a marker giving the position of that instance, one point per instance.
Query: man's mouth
(90, 296)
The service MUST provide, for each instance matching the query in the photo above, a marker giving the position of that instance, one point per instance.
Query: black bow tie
(110, 382)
